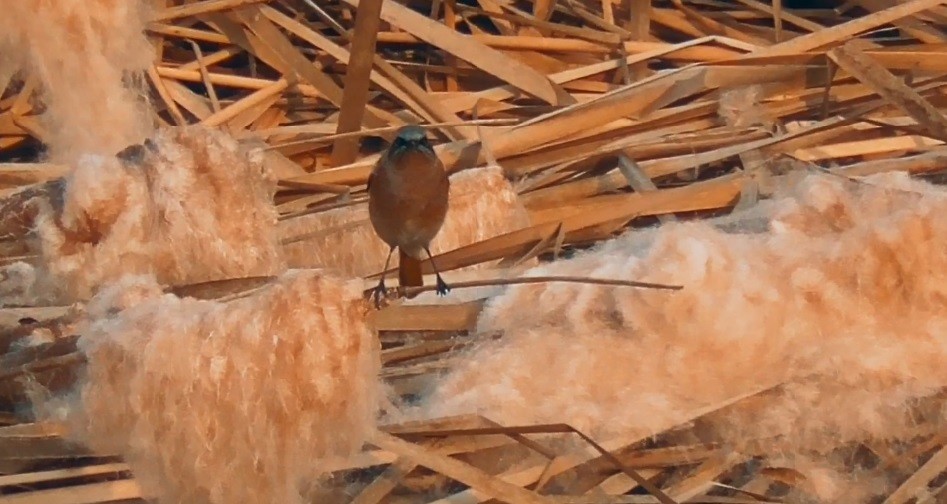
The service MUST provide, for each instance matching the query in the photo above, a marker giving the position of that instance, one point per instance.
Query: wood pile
(605, 114)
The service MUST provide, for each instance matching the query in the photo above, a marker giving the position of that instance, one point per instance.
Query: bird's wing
(368, 185)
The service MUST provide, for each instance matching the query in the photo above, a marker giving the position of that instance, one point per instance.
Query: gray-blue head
(411, 136)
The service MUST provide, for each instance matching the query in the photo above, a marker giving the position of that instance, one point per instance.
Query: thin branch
(401, 292)
(386, 129)
(43, 365)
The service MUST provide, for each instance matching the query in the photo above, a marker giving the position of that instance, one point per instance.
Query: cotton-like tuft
(841, 298)
(189, 206)
(87, 58)
(221, 402)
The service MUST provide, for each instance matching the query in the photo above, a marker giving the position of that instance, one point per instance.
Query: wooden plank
(891, 88)
(378, 489)
(255, 98)
(18, 174)
(917, 483)
(640, 28)
(392, 80)
(198, 8)
(639, 181)
(165, 96)
(780, 15)
(460, 471)
(570, 45)
(699, 196)
(59, 474)
(865, 147)
(507, 69)
(270, 44)
(235, 81)
(450, 317)
(186, 32)
(913, 27)
(355, 90)
(847, 30)
(108, 491)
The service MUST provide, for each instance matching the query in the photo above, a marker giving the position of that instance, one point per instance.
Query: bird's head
(411, 137)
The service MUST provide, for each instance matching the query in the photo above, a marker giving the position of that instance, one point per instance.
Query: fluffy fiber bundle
(483, 204)
(215, 402)
(841, 296)
(190, 206)
(81, 52)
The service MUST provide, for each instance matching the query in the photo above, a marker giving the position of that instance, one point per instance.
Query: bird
(408, 192)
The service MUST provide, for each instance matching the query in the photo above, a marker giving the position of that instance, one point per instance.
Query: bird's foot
(442, 287)
(379, 292)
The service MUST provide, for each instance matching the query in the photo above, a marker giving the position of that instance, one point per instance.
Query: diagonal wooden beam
(846, 30)
(474, 52)
(262, 38)
(355, 90)
(197, 8)
(891, 88)
(385, 76)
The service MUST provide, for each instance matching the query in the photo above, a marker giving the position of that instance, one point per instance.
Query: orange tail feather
(409, 271)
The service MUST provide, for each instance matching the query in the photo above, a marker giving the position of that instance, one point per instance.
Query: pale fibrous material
(87, 58)
(834, 289)
(222, 402)
(18, 285)
(189, 206)
(483, 204)
(742, 108)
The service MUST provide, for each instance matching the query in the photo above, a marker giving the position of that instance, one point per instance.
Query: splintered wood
(604, 115)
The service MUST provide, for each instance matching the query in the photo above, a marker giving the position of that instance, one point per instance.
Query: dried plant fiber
(483, 204)
(191, 207)
(84, 55)
(17, 282)
(835, 287)
(741, 108)
(213, 402)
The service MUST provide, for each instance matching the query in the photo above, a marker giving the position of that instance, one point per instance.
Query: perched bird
(407, 203)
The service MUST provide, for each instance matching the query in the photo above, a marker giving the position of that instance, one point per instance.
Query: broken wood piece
(355, 90)
(847, 30)
(639, 181)
(507, 69)
(890, 88)
(453, 468)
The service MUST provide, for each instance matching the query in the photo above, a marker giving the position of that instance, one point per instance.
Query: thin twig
(558, 428)
(205, 75)
(386, 129)
(413, 291)
(491, 159)
(329, 20)
(39, 366)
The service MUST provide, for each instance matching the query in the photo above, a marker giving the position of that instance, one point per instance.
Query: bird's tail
(409, 270)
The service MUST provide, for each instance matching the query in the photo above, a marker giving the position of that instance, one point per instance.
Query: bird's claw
(441, 287)
(378, 293)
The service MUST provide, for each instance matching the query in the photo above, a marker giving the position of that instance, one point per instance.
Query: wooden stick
(891, 88)
(257, 97)
(197, 8)
(847, 30)
(511, 71)
(367, 21)
(401, 292)
(205, 76)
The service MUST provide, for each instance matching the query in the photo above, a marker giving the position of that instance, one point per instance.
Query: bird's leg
(442, 287)
(380, 288)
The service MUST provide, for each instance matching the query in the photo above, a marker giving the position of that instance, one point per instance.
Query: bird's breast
(408, 199)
